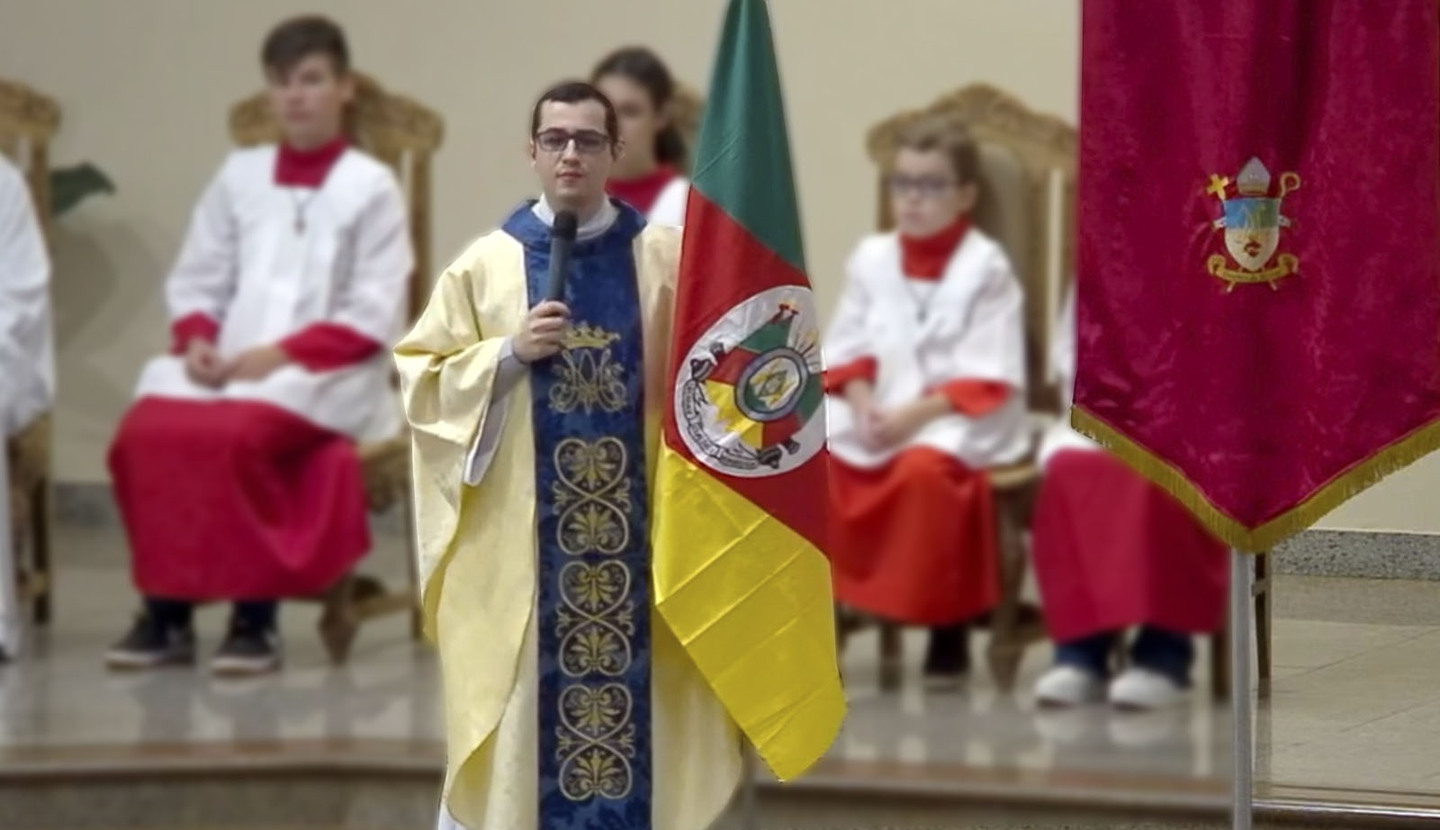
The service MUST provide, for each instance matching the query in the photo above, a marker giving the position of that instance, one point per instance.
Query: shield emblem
(1252, 230)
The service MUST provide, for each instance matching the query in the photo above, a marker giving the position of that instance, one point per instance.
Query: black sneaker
(947, 659)
(151, 645)
(247, 651)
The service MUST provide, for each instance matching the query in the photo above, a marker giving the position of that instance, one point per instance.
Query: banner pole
(1241, 598)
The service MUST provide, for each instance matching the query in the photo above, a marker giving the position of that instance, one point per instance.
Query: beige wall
(145, 85)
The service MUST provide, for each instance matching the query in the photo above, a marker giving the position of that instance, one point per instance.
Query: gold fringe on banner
(1332, 494)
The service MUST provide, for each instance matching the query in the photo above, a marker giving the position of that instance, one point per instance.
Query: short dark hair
(298, 38)
(948, 135)
(575, 92)
(645, 68)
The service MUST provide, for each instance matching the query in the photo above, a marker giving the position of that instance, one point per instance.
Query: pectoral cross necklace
(300, 207)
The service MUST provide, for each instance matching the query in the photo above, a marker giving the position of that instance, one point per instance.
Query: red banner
(1259, 260)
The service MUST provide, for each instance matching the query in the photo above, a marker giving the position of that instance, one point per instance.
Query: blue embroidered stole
(593, 538)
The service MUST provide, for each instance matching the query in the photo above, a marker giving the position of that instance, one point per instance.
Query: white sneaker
(1140, 688)
(1064, 686)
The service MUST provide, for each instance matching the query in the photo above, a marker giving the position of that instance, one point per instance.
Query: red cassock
(243, 499)
(1113, 551)
(915, 540)
(240, 499)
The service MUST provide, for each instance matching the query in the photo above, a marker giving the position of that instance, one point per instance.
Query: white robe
(245, 264)
(697, 781)
(27, 358)
(973, 329)
(1060, 436)
(669, 207)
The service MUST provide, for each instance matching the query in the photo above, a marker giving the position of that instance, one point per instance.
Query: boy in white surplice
(27, 359)
(926, 382)
(236, 469)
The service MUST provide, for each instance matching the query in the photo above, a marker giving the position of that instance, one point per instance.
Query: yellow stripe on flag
(750, 599)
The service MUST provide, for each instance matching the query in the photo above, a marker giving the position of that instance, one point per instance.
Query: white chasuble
(478, 543)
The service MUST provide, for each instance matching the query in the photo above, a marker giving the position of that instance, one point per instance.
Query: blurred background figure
(236, 470)
(926, 387)
(650, 174)
(27, 360)
(1112, 553)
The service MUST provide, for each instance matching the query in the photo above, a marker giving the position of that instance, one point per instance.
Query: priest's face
(925, 194)
(572, 153)
(309, 100)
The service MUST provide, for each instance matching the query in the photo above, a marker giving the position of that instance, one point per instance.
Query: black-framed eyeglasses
(928, 187)
(586, 141)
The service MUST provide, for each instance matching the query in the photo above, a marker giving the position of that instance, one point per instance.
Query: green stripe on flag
(742, 164)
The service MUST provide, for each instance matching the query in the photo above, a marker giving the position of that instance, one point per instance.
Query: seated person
(648, 176)
(926, 390)
(27, 362)
(1114, 552)
(235, 470)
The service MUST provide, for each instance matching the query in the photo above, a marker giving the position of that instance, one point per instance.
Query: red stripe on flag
(722, 266)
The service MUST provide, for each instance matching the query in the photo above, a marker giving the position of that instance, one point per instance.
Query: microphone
(562, 241)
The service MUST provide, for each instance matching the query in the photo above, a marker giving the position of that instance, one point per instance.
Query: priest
(236, 470)
(926, 392)
(536, 419)
(27, 361)
(1115, 555)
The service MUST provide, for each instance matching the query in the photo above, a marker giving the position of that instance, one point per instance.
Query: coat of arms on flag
(1252, 223)
(754, 387)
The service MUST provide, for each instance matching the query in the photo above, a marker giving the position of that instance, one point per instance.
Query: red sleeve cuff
(322, 347)
(974, 398)
(838, 378)
(192, 327)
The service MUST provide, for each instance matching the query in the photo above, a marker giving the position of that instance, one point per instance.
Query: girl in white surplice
(926, 390)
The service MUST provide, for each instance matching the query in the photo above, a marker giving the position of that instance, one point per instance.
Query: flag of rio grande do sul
(740, 520)
(1259, 250)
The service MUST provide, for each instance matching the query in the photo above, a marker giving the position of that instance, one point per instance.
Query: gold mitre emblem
(586, 336)
(1254, 179)
(1252, 225)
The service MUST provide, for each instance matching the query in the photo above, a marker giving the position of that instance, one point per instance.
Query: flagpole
(1241, 597)
(749, 809)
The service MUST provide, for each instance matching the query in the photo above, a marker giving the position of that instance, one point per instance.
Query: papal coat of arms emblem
(1252, 223)
(750, 393)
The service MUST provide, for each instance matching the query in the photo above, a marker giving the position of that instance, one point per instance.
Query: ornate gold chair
(1028, 163)
(404, 134)
(28, 121)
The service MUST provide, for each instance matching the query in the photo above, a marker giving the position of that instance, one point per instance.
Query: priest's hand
(203, 363)
(258, 363)
(543, 333)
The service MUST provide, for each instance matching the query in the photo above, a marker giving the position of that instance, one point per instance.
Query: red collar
(925, 258)
(642, 192)
(307, 168)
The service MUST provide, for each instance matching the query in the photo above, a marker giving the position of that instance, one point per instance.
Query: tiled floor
(1356, 698)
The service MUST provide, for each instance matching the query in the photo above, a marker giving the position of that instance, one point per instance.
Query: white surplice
(27, 358)
(669, 207)
(267, 260)
(1060, 436)
(972, 328)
